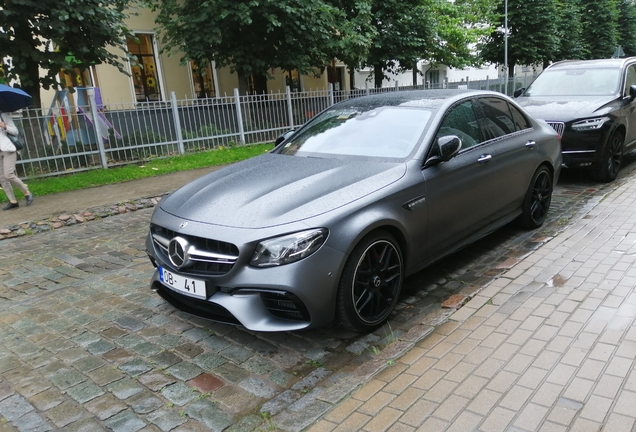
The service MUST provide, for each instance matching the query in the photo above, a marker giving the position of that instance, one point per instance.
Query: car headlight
(590, 124)
(288, 248)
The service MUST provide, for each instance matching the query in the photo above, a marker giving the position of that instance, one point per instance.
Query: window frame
(158, 74)
(476, 114)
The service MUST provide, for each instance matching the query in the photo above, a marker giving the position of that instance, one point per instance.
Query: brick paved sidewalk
(548, 346)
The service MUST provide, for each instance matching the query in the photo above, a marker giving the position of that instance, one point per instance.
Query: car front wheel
(370, 283)
(537, 200)
(607, 170)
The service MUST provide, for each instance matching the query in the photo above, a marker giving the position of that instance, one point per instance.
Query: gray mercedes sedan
(325, 227)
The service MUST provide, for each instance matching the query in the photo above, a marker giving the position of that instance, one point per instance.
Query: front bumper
(583, 149)
(289, 297)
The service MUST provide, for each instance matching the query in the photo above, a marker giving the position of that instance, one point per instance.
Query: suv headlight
(288, 248)
(590, 124)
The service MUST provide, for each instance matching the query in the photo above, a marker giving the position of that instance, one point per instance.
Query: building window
(144, 68)
(203, 80)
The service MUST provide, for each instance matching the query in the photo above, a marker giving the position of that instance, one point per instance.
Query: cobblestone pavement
(85, 345)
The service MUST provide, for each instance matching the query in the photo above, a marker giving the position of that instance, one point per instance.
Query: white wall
(406, 78)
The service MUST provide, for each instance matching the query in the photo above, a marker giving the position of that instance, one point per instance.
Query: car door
(510, 144)
(456, 194)
(485, 182)
(630, 106)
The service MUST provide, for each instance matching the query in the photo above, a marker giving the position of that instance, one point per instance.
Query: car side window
(461, 121)
(630, 79)
(497, 120)
(521, 122)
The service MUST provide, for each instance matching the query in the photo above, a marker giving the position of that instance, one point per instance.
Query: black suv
(591, 104)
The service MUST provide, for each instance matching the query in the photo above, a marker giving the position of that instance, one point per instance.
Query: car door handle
(531, 144)
(484, 158)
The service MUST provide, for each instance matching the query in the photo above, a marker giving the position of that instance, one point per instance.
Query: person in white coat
(8, 158)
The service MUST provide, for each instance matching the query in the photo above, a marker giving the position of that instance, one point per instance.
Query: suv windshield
(386, 132)
(575, 82)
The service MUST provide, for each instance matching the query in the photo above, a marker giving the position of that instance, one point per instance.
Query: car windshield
(576, 82)
(385, 132)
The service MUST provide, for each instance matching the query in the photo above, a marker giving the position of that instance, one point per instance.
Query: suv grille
(559, 127)
(208, 257)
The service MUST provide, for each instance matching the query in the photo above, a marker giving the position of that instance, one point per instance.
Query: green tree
(355, 34)
(458, 26)
(532, 34)
(627, 26)
(570, 31)
(404, 31)
(600, 27)
(251, 36)
(50, 35)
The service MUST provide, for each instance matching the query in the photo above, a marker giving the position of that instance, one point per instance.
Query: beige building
(155, 75)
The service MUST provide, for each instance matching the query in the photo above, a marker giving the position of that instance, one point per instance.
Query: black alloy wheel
(538, 198)
(608, 168)
(371, 283)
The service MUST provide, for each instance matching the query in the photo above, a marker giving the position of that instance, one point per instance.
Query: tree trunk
(243, 85)
(415, 73)
(510, 82)
(31, 83)
(352, 78)
(378, 75)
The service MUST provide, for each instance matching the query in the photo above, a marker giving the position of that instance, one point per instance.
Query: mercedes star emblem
(178, 252)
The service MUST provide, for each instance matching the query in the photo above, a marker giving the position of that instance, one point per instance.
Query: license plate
(186, 285)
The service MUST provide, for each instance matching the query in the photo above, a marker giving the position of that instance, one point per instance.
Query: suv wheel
(607, 169)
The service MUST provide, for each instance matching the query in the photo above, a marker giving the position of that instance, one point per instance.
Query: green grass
(154, 167)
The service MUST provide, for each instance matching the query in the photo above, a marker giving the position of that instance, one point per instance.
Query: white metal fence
(66, 139)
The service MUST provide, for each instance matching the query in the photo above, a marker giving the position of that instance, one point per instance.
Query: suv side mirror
(284, 136)
(519, 92)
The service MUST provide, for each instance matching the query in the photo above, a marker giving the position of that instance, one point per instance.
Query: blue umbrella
(12, 99)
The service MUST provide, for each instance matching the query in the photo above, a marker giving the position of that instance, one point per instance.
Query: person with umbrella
(11, 100)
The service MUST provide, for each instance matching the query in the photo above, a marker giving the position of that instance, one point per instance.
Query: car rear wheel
(537, 200)
(607, 170)
(370, 283)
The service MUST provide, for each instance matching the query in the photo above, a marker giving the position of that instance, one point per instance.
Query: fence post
(366, 88)
(90, 92)
(487, 82)
(467, 82)
(397, 88)
(331, 102)
(239, 116)
(177, 122)
(290, 113)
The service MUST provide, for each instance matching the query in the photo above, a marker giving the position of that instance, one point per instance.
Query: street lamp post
(506, 43)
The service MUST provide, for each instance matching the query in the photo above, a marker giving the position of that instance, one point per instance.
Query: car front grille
(208, 257)
(559, 127)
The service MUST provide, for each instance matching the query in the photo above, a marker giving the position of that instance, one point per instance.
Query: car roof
(431, 99)
(585, 64)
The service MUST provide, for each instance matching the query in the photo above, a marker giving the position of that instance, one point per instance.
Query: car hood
(272, 189)
(564, 109)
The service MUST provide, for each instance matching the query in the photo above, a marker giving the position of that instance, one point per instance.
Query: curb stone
(65, 219)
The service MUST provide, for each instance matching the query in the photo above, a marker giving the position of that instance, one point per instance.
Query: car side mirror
(632, 92)
(519, 92)
(447, 148)
(284, 136)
